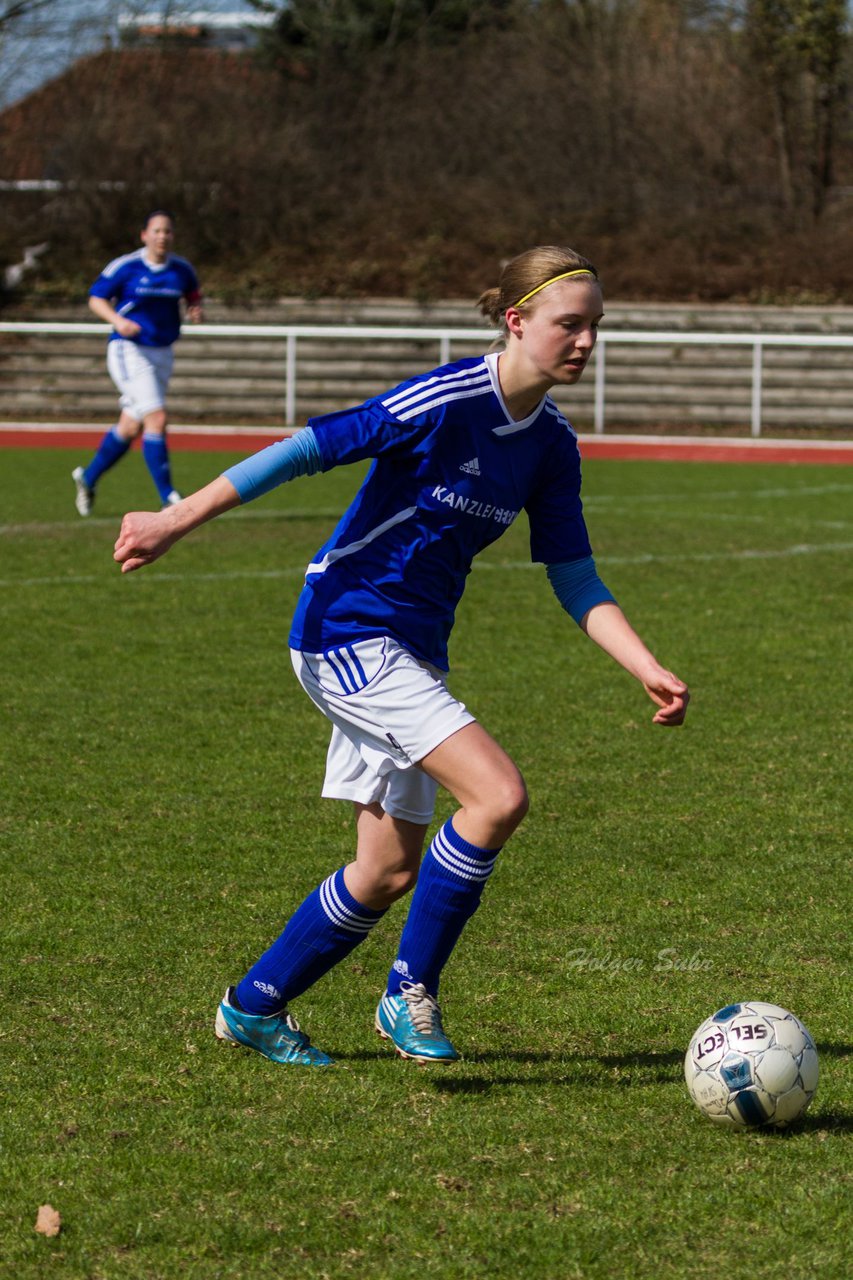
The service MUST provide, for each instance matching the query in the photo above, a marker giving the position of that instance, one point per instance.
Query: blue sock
(326, 928)
(155, 451)
(111, 448)
(450, 884)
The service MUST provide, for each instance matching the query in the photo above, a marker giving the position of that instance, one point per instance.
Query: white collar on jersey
(154, 266)
(511, 426)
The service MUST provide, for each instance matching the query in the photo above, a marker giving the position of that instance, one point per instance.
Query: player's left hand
(671, 696)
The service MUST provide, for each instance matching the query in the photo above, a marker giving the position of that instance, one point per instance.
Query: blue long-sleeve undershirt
(577, 586)
(298, 455)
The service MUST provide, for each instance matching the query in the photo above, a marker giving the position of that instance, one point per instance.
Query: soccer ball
(751, 1064)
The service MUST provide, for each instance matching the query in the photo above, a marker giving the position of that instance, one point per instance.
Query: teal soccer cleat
(412, 1022)
(276, 1035)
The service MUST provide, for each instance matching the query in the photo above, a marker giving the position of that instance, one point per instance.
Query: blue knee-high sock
(155, 451)
(329, 924)
(111, 448)
(450, 884)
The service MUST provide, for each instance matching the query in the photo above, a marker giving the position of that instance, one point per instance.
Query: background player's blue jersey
(149, 295)
(451, 473)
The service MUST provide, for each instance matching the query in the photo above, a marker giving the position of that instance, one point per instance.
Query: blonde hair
(525, 275)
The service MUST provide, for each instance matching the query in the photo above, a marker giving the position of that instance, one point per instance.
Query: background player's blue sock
(111, 448)
(155, 451)
(450, 884)
(320, 933)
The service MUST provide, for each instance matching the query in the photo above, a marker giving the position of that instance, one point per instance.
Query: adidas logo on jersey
(471, 468)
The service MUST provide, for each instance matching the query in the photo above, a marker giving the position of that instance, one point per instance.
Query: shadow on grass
(834, 1050)
(581, 1068)
(817, 1123)
(665, 1061)
(607, 1070)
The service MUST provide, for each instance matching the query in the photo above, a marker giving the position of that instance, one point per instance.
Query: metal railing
(757, 341)
(447, 336)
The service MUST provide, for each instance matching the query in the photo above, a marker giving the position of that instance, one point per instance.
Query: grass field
(160, 818)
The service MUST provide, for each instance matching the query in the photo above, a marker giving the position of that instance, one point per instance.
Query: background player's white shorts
(141, 375)
(388, 710)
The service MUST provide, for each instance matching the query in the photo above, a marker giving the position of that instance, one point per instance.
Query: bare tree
(798, 48)
(637, 129)
(10, 13)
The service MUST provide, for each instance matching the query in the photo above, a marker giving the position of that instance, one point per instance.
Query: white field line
(725, 495)
(114, 522)
(740, 518)
(594, 500)
(698, 557)
(291, 571)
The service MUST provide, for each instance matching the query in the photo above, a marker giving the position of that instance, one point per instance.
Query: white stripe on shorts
(399, 713)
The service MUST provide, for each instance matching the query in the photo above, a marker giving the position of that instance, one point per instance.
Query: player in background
(457, 453)
(140, 295)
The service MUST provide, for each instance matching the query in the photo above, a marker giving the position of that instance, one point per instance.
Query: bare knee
(388, 857)
(521, 803)
(377, 885)
(396, 883)
(128, 428)
(489, 818)
(155, 423)
(485, 781)
(509, 803)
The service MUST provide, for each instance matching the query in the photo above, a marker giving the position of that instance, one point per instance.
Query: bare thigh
(478, 773)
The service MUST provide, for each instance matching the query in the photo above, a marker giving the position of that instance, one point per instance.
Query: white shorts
(388, 711)
(141, 375)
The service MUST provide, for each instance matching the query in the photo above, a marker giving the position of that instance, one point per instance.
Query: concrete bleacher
(242, 379)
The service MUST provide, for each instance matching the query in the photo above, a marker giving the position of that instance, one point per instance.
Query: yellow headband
(579, 271)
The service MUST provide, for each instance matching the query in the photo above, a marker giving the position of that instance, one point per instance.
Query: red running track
(52, 435)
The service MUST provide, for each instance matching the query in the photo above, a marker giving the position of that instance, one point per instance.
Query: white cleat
(85, 497)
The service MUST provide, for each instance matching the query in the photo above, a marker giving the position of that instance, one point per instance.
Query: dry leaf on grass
(48, 1221)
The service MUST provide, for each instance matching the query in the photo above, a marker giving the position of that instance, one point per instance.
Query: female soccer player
(140, 295)
(457, 453)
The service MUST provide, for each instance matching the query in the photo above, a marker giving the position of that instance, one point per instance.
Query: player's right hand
(144, 537)
(127, 328)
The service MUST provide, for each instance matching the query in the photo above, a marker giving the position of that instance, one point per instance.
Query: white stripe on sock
(338, 913)
(460, 864)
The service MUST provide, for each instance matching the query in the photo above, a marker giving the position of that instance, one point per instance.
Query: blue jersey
(451, 473)
(148, 294)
